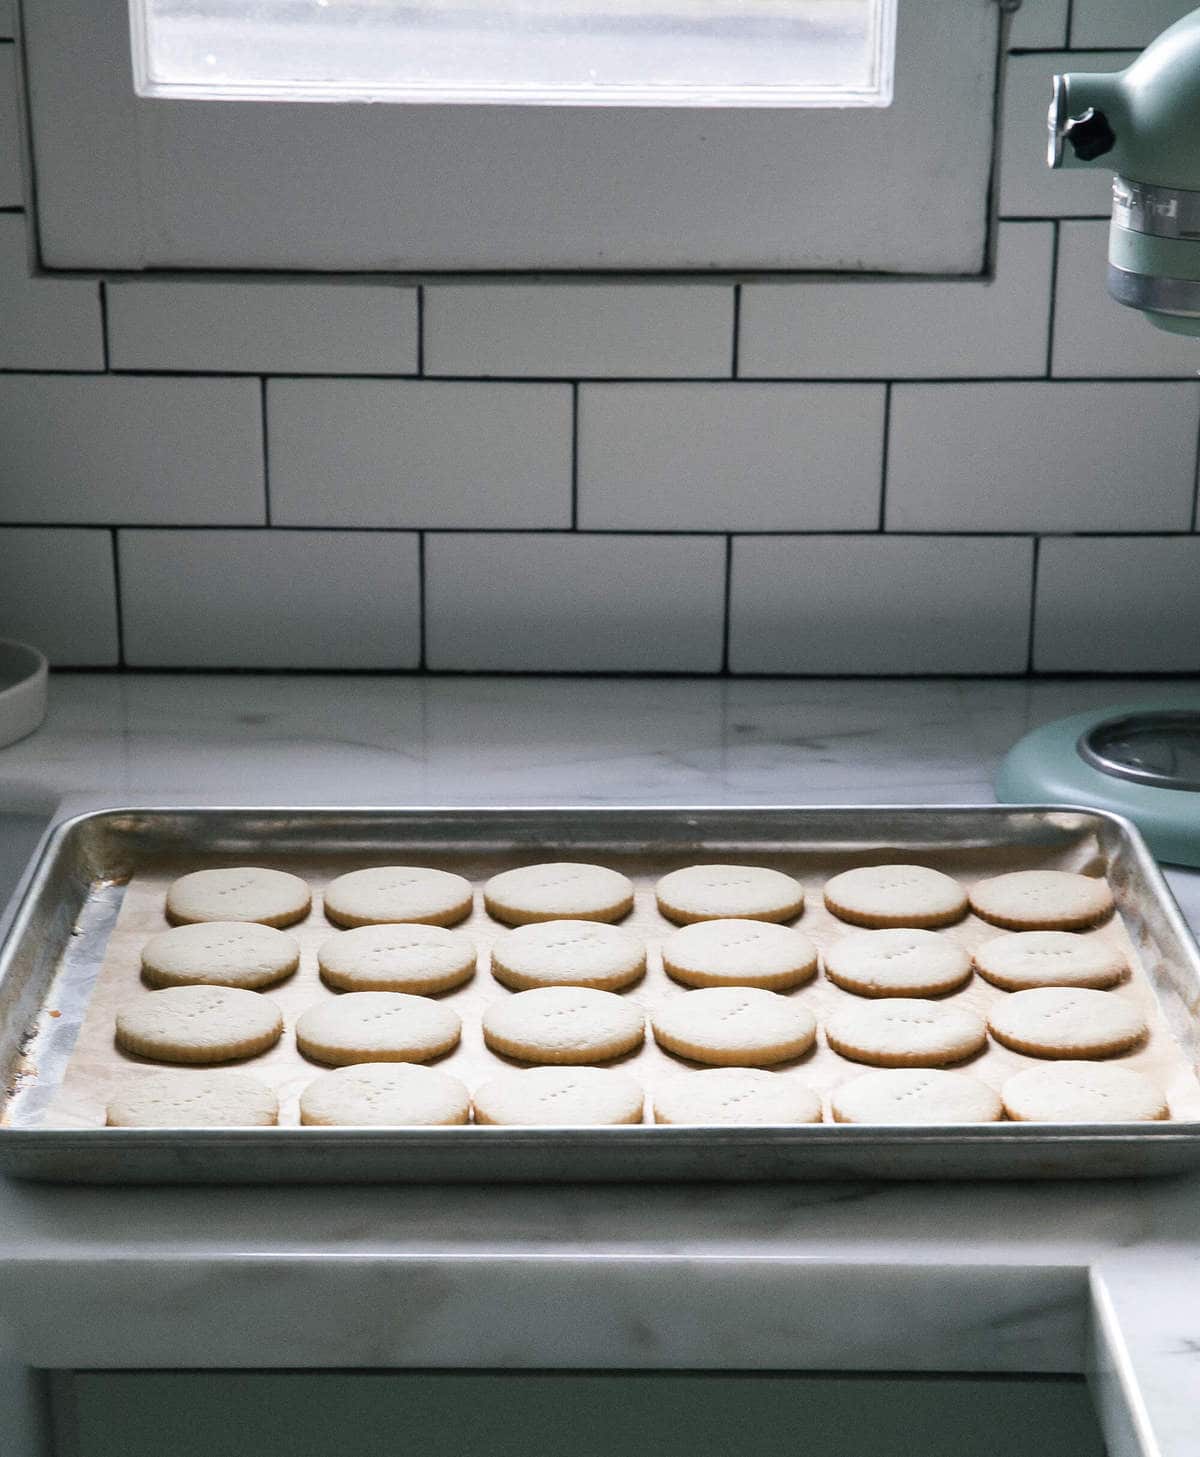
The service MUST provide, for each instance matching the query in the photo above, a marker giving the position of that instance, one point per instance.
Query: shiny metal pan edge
(87, 853)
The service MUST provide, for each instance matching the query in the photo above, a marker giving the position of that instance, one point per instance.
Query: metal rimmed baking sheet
(98, 891)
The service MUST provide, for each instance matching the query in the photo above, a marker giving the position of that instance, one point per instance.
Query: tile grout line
(735, 364)
(120, 613)
(1053, 300)
(575, 456)
(422, 662)
(883, 461)
(266, 449)
(1033, 586)
(1196, 485)
(104, 352)
(865, 533)
(420, 331)
(728, 601)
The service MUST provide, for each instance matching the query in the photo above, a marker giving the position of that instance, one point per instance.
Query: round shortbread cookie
(739, 953)
(560, 1096)
(735, 1095)
(220, 953)
(734, 1027)
(567, 953)
(564, 1025)
(1070, 1022)
(384, 1094)
(193, 1100)
(244, 893)
(897, 962)
(1024, 959)
(395, 894)
(199, 1024)
(397, 958)
(561, 890)
(723, 892)
(915, 1095)
(1082, 1092)
(895, 895)
(377, 1027)
(1042, 900)
(905, 1032)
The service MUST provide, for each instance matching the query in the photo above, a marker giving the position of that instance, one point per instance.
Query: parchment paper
(97, 1067)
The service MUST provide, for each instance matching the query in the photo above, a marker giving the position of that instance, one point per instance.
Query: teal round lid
(1141, 760)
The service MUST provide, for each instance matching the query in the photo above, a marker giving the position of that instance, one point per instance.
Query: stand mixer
(1143, 124)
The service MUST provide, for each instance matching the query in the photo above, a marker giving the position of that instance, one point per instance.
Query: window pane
(562, 52)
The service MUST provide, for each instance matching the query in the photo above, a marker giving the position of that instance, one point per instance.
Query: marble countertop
(1096, 1277)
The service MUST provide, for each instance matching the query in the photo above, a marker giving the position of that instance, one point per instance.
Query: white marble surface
(1040, 1277)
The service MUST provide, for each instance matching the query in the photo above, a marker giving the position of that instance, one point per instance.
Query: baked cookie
(905, 1032)
(1082, 1092)
(1023, 959)
(561, 890)
(397, 958)
(377, 1027)
(897, 962)
(396, 894)
(565, 1025)
(723, 892)
(384, 1094)
(915, 1095)
(1069, 1022)
(243, 893)
(1042, 900)
(220, 953)
(741, 954)
(559, 1097)
(735, 1095)
(895, 895)
(567, 953)
(198, 1024)
(223, 1099)
(734, 1027)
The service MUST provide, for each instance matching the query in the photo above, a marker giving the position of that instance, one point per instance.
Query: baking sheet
(95, 1066)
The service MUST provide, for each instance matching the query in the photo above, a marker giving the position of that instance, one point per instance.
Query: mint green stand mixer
(1143, 124)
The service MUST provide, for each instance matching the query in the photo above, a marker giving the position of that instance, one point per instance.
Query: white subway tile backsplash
(880, 328)
(83, 449)
(419, 453)
(263, 327)
(270, 599)
(1095, 335)
(564, 602)
(1041, 23)
(879, 604)
(1124, 22)
(1028, 187)
(44, 323)
(58, 592)
(12, 191)
(1118, 605)
(579, 330)
(730, 457)
(1042, 457)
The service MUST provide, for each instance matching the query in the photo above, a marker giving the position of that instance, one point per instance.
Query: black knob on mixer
(1090, 135)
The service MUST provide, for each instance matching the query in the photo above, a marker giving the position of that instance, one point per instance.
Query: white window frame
(132, 183)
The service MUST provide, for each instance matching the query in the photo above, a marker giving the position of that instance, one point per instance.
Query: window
(544, 52)
(649, 180)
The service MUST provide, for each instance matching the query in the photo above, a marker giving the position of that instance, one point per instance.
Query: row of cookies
(428, 960)
(403, 1095)
(569, 1025)
(871, 896)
